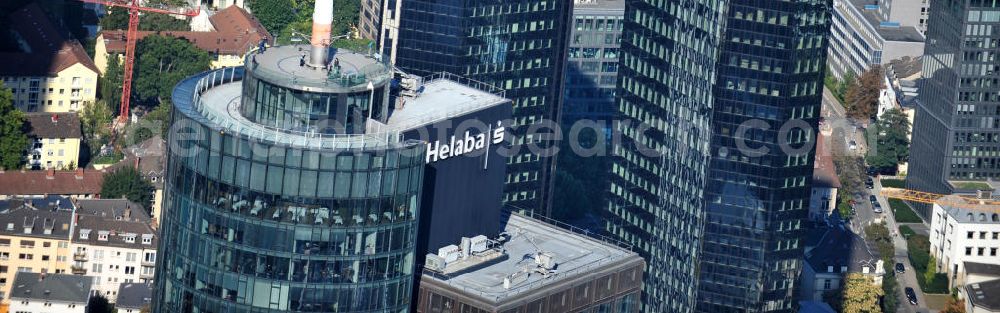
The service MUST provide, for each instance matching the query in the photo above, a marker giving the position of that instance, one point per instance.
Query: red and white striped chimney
(322, 19)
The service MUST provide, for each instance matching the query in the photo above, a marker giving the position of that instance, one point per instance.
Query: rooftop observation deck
(347, 71)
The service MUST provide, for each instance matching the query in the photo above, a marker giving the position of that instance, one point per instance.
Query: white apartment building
(114, 244)
(959, 235)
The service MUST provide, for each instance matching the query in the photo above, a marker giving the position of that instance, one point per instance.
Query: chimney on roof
(50, 173)
(79, 173)
(322, 18)
(55, 118)
(128, 213)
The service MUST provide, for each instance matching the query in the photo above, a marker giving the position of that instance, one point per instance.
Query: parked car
(872, 199)
(869, 182)
(912, 296)
(876, 207)
(900, 268)
(852, 145)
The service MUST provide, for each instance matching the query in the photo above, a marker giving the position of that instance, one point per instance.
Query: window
(4, 255)
(46, 244)
(982, 235)
(3, 269)
(130, 238)
(96, 268)
(84, 234)
(45, 258)
(149, 257)
(996, 235)
(147, 239)
(826, 284)
(63, 245)
(980, 251)
(970, 234)
(130, 270)
(130, 257)
(968, 250)
(27, 244)
(25, 256)
(993, 251)
(6, 242)
(24, 270)
(102, 235)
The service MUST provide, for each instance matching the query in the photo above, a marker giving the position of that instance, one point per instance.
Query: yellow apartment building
(51, 73)
(34, 237)
(55, 140)
(232, 33)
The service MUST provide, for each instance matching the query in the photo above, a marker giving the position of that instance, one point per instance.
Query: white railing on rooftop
(376, 73)
(223, 115)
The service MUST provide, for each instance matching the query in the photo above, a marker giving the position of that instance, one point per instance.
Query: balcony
(78, 270)
(80, 256)
(150, 263)
(144, 275)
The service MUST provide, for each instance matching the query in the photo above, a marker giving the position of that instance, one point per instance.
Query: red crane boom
(131, 36)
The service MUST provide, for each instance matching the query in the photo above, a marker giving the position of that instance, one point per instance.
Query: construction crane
(131, 36)
(983, 201)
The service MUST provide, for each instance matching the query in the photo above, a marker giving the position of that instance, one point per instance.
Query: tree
(273, 14)
(851, 172)
(162, 62)
(862, 96)
(892, 146)
(111, 83)
(860, 294)
(128, 183)
(13, 135)
(117, 18)
(954, 306)
(96, 118)
(99, 304)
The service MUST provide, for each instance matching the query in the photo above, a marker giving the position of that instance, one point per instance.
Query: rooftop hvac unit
(411, 85)
(545, 260)
(478, 244)
(435, 263)
(466, 246)
(450, 253)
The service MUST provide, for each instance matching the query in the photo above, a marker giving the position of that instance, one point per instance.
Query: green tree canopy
(892, 146)
(117, 18)
(13, 135)
(273, 14)
(162, 62)
(126, 182)
(99, 304)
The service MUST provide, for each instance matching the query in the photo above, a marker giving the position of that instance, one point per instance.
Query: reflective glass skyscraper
(669, 51)
(517, 45)
(280, 197)
(955, 135)
(767, 107)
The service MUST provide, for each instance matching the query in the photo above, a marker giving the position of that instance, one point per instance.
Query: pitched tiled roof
(235, 32)
(49, 52)
(134, 295)
(80, 182)
(42, 221)
(824, 172)
(117, 232)
(53, 125)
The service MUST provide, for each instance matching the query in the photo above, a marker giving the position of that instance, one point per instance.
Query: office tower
(515, 45)
(535, 267)
(954, 130)
(669, 51)
(295, 182)
(864, 34)
(767, 107)
(592, 64)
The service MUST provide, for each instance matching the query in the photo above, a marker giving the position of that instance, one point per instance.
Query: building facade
(825, 183)
(515, 45)
(493, 276)
(51, 73)
(55, 141)
(665, 99)
(862, 36)
(592, 64)
(954, 129)
(114, 244)
(768, 94)
(837, 253)
(959, 236)
(34, 238)
(39, 293)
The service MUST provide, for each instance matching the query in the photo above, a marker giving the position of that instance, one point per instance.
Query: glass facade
(666, 72)
(254, 224)
(592, 65)
(516, 45)
(955, 130)
(767, 107)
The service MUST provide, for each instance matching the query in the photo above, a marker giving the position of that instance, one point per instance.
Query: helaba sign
(457, 146)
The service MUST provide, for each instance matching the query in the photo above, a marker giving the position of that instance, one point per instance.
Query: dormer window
(147, 239)
(84, 234)
(102, 235)
(130, 238)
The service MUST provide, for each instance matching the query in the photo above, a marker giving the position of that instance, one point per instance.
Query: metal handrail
(375, 73)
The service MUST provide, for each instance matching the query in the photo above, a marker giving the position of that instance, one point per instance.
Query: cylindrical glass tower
(281, 194)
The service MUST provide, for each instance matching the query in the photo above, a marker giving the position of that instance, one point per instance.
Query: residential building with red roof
(235, 31)
(51, 72)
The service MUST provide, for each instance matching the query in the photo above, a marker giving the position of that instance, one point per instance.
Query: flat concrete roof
(281, 65)
(285, 59)
(441, 99)
(575, 255)
(901, 33)
(584, 7)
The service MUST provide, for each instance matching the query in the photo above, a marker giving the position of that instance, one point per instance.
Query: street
(833, 113)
